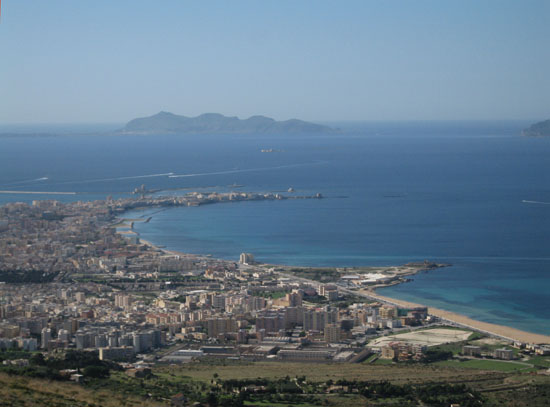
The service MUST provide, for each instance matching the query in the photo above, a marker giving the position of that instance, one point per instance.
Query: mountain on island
(540, 129)
(215, 123)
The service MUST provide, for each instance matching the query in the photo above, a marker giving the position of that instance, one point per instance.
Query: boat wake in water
(243, 170)
(36, 192)
(29, 181)
(536, 202)
(167, 174)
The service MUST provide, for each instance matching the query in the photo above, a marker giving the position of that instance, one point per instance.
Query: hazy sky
(113, 60)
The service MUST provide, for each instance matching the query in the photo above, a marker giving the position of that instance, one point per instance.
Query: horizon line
(396, 120)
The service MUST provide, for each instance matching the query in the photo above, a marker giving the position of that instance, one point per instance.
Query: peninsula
(215, 123)
(540, 129)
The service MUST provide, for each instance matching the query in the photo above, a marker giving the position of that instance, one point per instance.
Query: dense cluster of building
(249, 311)
(79, 237)
(114, 294)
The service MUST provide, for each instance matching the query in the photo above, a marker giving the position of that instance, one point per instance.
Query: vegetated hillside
(30, 392)
(236, 384)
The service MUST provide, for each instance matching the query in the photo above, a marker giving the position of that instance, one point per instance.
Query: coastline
(172, 252)
(501, 331)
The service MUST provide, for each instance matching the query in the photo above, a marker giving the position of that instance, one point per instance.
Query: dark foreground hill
(215, 123)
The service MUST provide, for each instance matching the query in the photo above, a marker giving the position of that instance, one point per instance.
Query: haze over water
(450, 192)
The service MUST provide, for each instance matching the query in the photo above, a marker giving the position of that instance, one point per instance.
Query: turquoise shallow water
(448, 192)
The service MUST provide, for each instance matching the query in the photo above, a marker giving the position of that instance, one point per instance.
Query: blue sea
(472, 194)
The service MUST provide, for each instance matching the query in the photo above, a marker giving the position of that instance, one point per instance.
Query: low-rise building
(468, 350)
(305, 355)
(119, 353)
(505, 354)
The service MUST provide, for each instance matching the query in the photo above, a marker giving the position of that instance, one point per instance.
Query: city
(78, 279)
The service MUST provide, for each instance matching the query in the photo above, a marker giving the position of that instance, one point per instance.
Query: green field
(497, 365)
(318, 372)
(542, 361)
(380, 361)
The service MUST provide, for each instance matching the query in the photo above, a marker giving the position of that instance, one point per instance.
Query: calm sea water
(395, 192)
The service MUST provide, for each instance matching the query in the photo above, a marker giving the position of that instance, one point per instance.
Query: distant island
(215, 123)
(540, 129)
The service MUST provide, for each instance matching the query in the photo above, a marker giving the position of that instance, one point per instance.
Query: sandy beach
(494, 329)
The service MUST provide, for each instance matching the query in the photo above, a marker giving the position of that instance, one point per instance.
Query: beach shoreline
(501, 331)
(453, 318)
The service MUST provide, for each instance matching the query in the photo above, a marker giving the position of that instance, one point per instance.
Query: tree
(212, 399)
(37, 359)
(97, 372)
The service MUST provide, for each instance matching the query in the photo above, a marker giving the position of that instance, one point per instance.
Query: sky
(100, 61)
